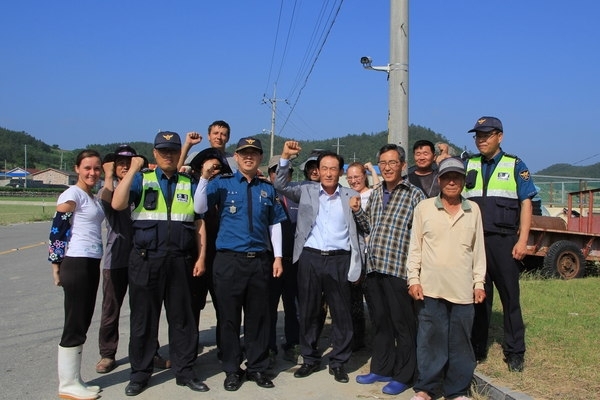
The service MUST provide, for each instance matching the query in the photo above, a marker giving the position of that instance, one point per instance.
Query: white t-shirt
(364, 198)
(86, 223)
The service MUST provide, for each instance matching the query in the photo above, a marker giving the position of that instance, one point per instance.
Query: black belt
(328, 252)
(245, 254)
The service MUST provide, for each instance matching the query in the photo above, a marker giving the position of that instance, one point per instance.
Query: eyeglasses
(355, 178)
(484, 136)
(391, 163)
(217, 167)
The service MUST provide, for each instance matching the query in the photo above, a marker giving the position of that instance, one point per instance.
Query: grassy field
(562, 320)
(25, 212)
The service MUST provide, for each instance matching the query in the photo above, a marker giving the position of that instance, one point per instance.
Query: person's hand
(56, 274)
(519, 251)
(368, 165)
(291, 148)
(355, 203)
(136, 163)
(109, 169)
(277, 267)
(416, 292)
(199, 268)
(192, 138)
(478, 296)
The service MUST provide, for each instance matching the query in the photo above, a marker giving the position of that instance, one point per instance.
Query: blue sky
(74, 73)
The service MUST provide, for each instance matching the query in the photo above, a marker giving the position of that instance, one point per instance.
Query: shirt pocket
(145, 235)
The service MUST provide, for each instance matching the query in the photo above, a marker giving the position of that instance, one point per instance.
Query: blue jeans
(444, 354)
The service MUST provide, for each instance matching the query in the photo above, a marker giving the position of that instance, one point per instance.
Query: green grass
(562, 320)
(12, 214)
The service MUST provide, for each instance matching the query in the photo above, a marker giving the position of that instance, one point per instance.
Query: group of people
(424, 250)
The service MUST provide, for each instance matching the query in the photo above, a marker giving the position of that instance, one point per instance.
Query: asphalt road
(31, 319)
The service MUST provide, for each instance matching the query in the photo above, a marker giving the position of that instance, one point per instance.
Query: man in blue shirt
(501, 185)
(166, 239)
(248, 253)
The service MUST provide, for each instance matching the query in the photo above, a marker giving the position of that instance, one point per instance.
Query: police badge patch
(524, 175)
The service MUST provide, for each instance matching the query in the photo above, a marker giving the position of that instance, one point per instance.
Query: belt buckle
(324, 252)
(251, 254)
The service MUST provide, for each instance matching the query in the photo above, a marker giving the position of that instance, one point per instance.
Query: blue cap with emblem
(167, 140)
(249, 143)
(487, 124)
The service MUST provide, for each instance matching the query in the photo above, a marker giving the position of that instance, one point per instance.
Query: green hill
(355, 147)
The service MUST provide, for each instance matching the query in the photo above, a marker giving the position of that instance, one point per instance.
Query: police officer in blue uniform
(248, 254)
(166, 237)
(501, 185)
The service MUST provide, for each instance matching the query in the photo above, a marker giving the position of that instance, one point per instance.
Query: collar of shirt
(494, 160)
(464, 204)
(323, 192)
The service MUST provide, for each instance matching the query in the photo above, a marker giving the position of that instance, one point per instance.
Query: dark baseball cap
(125, 150)
(249, 143)
(487, 124)
(167, 140)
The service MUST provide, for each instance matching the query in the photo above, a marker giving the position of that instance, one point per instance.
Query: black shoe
(135, 388)
(260, 378)
(515, 362)
(233, 381)
(195, 384)
(339, 374)
(306, 369)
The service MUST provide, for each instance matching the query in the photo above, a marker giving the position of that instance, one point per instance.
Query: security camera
(366, 61)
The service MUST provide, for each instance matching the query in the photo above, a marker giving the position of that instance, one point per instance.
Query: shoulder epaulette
(511, 155)
(227, 175)
(474, 156)
(186, 175)
(146, 170)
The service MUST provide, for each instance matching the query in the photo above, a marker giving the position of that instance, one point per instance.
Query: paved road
(31, 319)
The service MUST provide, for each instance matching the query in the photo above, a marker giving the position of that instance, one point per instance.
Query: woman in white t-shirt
(75, 251)
(356, 174)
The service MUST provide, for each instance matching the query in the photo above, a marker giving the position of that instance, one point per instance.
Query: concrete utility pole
(397, 71)
(398, 75)
(273, 102)
(337, 146)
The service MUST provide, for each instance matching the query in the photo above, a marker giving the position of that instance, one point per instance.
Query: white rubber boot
(69, 366)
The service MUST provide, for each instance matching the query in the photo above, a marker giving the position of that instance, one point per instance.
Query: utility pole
(397, 72)
(337, 146)
(273, 102)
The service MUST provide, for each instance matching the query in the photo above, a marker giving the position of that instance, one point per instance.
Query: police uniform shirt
(247, 209)
(525, 187)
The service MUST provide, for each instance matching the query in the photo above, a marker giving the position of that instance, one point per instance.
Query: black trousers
(201, 287)
(286, 288)
(114, 288)
(503, 271)
(79, 277)
(242, 283)
(394, 320)
(318, 275)
(152, 281)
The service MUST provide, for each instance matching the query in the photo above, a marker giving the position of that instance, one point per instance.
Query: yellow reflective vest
(498, 199)
(160, 227)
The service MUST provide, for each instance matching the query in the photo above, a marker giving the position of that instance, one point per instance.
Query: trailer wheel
(564, 259)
